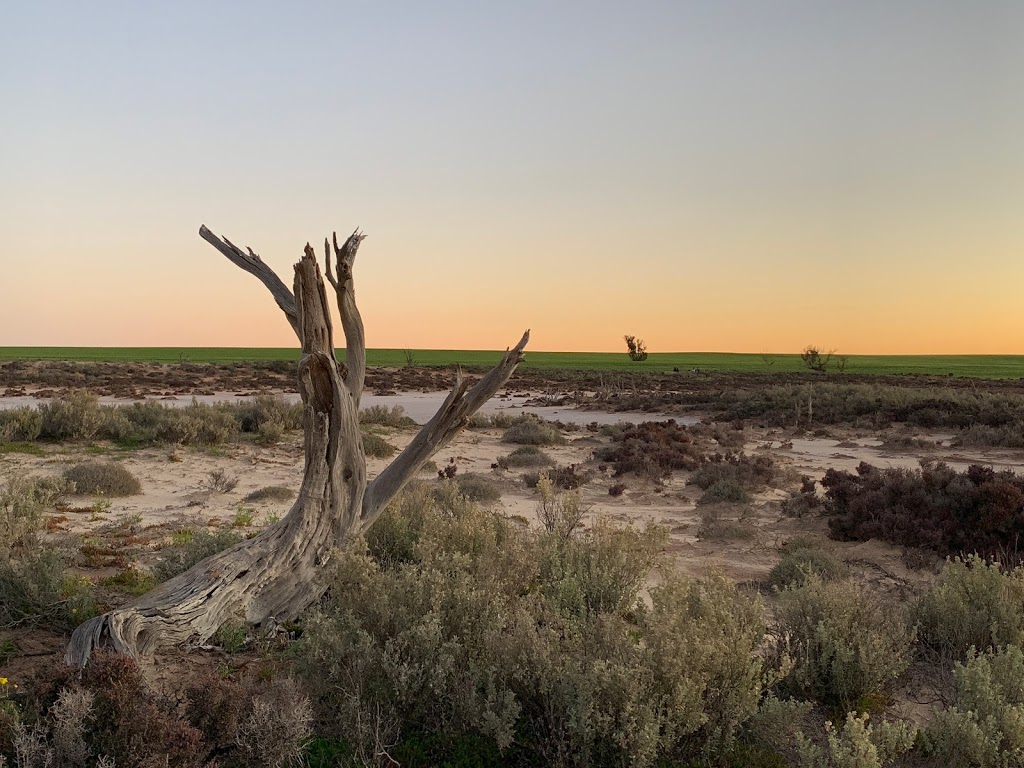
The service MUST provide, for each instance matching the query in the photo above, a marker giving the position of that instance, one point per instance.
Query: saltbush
(652, 449)
(532, 432)
(984, 728)
(386, 417)
(934, 507)
(178, 558)
(102, 479)
(801, 559)
(458, 623)
(845, 643)
(976, 604)
(525, 456)
(750, 472)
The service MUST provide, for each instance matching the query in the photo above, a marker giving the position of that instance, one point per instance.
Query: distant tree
(637, 348)
(841, 362)
(815, 359)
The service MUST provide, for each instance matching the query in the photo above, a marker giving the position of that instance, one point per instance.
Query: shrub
(23, 500)
(376, 447)
(716, 526)
(728, 490)
(985, 436)
(178, 558)
(269, 493)
(751, 472)
(802, 559)
(36, 588)
(102, 478)
(975, 605)
(219, 481)
(934, 507)
(845, 644)
(560, 513)
(532, 432)
(525, 456)
(858, 744)
(983, 728)
(532, 644)
(20, 425)
(477, 487)
(386, 417)
(652, 449)
(77, 416)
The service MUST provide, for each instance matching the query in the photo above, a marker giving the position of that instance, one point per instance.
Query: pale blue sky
(718, 176)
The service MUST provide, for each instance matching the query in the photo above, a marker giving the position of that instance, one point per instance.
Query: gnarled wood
(273, 576)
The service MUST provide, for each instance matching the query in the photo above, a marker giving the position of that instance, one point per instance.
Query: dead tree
(275, 574)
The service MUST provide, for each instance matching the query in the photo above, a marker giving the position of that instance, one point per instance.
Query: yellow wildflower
(3, 681)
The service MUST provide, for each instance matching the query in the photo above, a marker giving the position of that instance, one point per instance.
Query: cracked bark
(275, 574)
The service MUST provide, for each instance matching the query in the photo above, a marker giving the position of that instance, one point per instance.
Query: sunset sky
(710, 176)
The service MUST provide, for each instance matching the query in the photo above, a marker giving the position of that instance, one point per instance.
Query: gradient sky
(717, 176)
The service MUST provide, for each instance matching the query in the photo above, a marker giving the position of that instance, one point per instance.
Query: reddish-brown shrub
(934, 507)
(652, 449)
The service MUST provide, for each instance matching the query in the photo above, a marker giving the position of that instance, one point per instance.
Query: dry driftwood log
(275, 573)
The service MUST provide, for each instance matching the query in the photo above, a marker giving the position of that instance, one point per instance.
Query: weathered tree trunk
(275, 573)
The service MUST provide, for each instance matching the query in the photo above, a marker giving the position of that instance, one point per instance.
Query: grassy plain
(979, 366)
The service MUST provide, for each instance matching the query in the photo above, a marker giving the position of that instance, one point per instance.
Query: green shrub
(802, 559)
(751, 472)
(532, 432)
(376, 447)
(76, 416)
(716, 525)
(20, 425)
(975, 605)
(386, 417)
(459, 624)
(858, 744)
(845, 643)
(23, 500)
(178, 558)
(728, 490)
(269, 493)
(985, 726)
(477, 487)
(102, 478)
(132, 580)
(525, 456)
(36, 588)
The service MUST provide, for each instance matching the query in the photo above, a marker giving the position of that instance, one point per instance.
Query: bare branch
(254, 265)
(351, 321)
(452, 416)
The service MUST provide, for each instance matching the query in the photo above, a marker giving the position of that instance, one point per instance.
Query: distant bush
(376, 447)
(76, 416)
(751, 472)
(23, 501)
(269, 493)
(652, 449)
(525, 456)
(802, 559)
(386, 417)
(532, 432)
(716, 525)
(102, 478)
(845, 644)
(463, 625)
(975, 605)
(178, 558)
(935, 507)
(569, 477)
(985, 436)
(727, 490)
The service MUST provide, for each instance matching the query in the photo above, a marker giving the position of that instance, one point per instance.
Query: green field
(981, 366)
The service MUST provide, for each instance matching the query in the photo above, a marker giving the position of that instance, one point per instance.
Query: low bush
(652, 449)
(23, 501)
(97, 478)
(19, 425)
(269, 493)
(857, 744)
(985, 436)
(532, 432)
(525, 456)
(751, 472)
(76, 416)
(934, 507)
(386, 417)
(376, 447)
(983, 728)
(728, 490)
(802, 559)
(569, 477)
(36, 588)
(975, 605)
(460, 624)
(845, 643)
(477, 487)
(179, 557)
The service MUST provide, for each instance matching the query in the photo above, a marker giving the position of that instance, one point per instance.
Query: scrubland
(823, 572)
